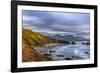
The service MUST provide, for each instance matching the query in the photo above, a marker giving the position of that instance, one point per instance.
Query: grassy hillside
(35, 39)
(29, 41)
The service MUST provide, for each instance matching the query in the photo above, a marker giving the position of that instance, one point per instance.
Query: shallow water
(66, 52)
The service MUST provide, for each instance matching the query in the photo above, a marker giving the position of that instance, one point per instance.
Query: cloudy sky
(69, 22)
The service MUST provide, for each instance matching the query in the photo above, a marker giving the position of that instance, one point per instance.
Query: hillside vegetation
(30, 40)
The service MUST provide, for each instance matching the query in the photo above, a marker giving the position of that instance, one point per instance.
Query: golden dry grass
(29, 41)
